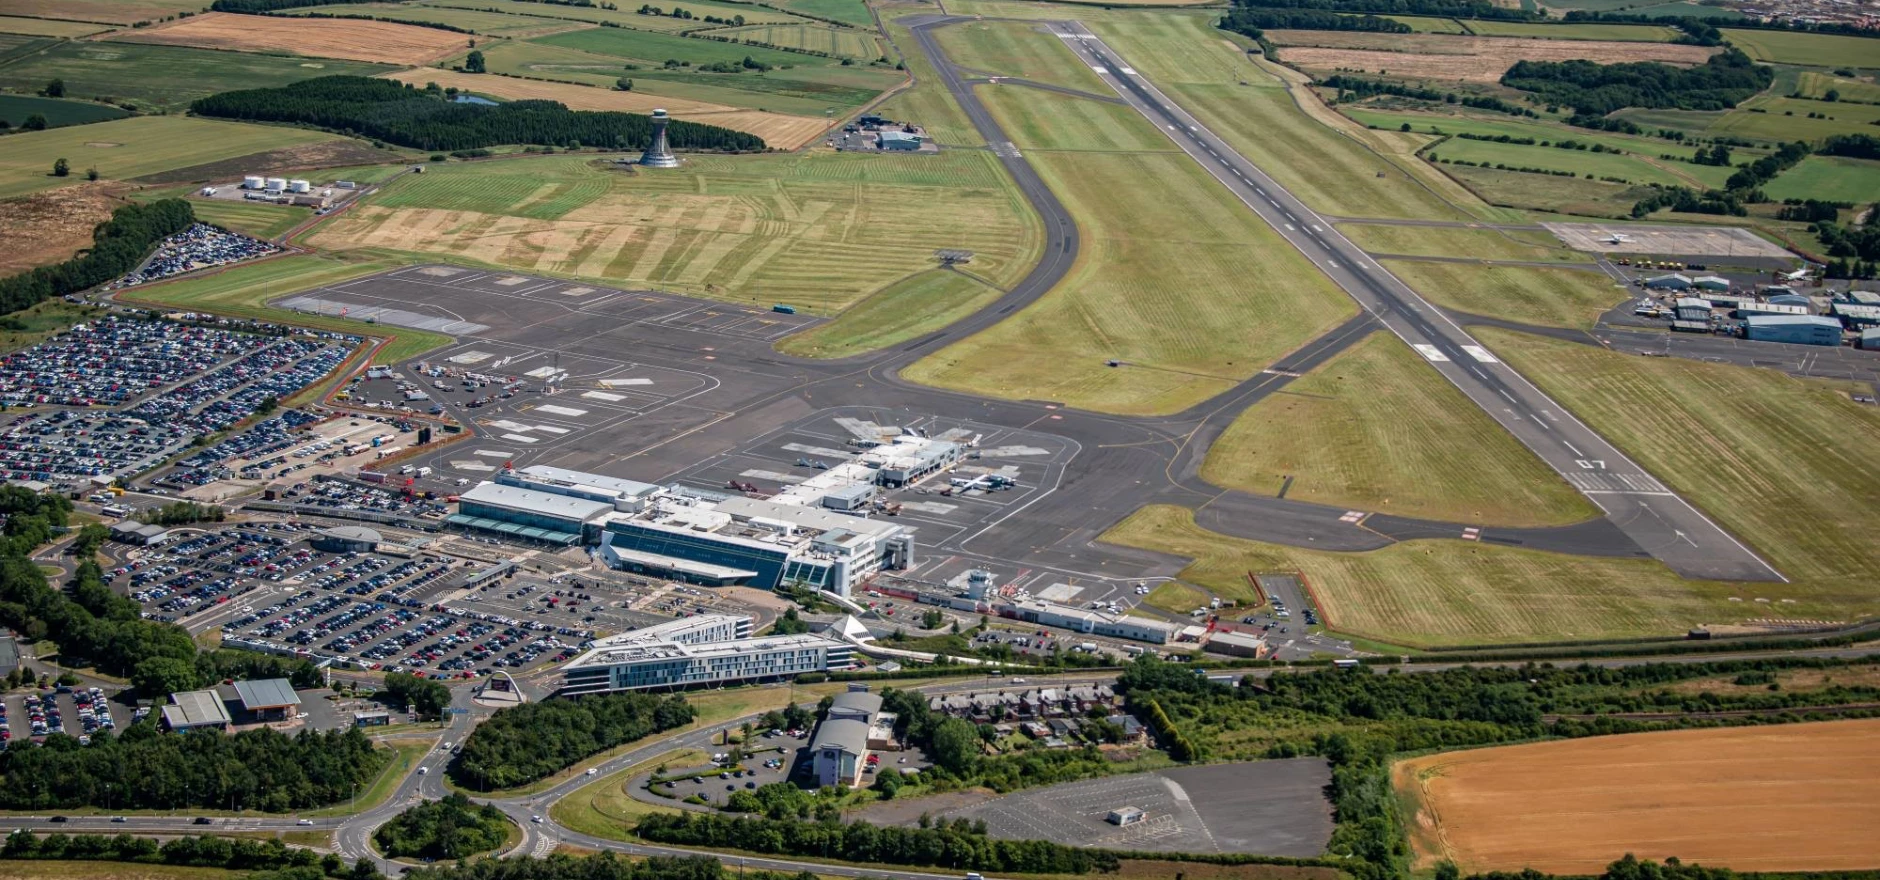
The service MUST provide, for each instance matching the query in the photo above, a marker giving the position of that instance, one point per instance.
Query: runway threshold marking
(1430, 353)
(1480, 354)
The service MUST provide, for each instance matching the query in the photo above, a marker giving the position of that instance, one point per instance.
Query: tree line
(1351, 88)
(182, 513)
(1593, 88)
(524, 743)
(1254, 21)
(256, 7)
(451, 828)
(424, 696)
(941, 844)
(1774, 24)
(424, 119)
(192, 852)
(118, 245)
(1480, 9)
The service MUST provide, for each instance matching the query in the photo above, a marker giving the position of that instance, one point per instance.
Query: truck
(423, 472)
(782, 309)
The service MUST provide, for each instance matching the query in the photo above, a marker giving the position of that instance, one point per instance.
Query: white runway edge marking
(1430, 352)
(616, 383)
(602, 395)
(552, 409)
(1480, 354)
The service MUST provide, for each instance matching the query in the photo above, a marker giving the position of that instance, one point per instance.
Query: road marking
(1504, 395)
(1430, 352)
(1333, 262)
(1127, 71)
(1471, 534)
(1291, 228)
(1573, 449)
(1480, 354)
(1352, 516)
(1099, 70)
(1317, 228)
(1479, 374)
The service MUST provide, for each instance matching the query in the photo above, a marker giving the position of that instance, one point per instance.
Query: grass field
(126, 148)
(57, 870)
(111, 11)
(1815, 84)
(41, 322)
(1424, 24)
(1209, 298)
(1571, 298)
(408, 752)
(163, 77)
(918, 304)
(491, 23)
(1010, 48)
(1791, 797)
(254, 218)
(1374, 429)
(43, 27)
(58, 113)
(1829, 178)
(854, 12)
(1625, 33)
(1495, 126)
(1443, 592)
(625, 16)
(841, 42)
(818, 230)
(380, 42)
(1176, 597)
(1816, 50)
(1329, 170)
(1487, 244)
(1037, 120)
(807, 91)
(243, 292)
(1632, 169)
(603, 808)
(1772, 458)
(1544, 192)
(1776, 119)
(1459, 58)
(654, 49)
(927, 100)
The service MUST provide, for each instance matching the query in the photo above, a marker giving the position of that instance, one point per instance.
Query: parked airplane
(1616, 238)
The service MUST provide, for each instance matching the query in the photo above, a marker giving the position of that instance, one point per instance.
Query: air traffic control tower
(659, 154)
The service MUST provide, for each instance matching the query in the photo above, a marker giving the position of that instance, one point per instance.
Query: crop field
(854, 12)
(1571, 298)
(819, 230)
(375, 41)
(43, 27)
(1325, 168)
(1495, 126)
(46, 227)
(1424, 24)
(1774, 459)
(1486, 244)
(1468, 59)
(81, 870)
(1009, 48)
(491, 23)
(1818, 50)
(163, 77)
(1829, 178)
(1777, 119)
(803, 91)
(1375, 429)
(1210, 297)
(841, 42)
(654, 49)
(1788, 797)
(109, 11)
(127, 148)
(1624, 33)
(1543, 192)
(1630, 168)
(625, 16)
(1037, 120)
(15, 109)
(915, 305)
(1815, 84)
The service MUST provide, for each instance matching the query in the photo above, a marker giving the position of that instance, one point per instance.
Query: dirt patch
(307, 157)
(1465, 58)
(103, 145)
(1793, 797)
(45, 228)
(381, 41)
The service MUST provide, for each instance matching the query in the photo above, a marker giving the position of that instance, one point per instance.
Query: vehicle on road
(304, 822)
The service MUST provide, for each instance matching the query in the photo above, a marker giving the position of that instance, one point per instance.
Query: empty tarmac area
(1690, 241)
(1258, 807)
(1804, 361)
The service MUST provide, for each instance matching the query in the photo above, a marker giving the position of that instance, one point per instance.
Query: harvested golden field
(1793, 797)
(50, 226)
(112, 11)
(381, 41)
(779, 130)
(1474, 59)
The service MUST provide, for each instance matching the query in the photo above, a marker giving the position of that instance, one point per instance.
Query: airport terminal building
(702, 650)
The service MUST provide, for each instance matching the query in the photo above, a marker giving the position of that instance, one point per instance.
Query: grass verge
(407, 754)
(915, 305)
(1570, 298)
(604, 807)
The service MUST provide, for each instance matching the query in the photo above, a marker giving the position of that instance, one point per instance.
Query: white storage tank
(300, 186)
(277, 184)
(253, 182)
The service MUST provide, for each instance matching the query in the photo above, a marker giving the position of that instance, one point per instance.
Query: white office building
(706, 649)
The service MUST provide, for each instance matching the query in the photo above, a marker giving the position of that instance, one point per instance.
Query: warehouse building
(268, 698)
(1690, 308)
(1236, 644)
(624, 495)
(530, 514)
(1858, 297)
(710, 649)
(347, 539)
(1796, 329)
(1773, 308)
(898, 140)
(139, 534)
(1669, 282)
(1855, 316)
(194, 710)
(1870, 340)
(1096, 623)
(1711, 282)
(1728, 300)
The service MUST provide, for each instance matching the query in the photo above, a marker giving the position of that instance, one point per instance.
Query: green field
(58, 870)
(927, 100)
(624, 14)
(40, 322)
(841, 42)
(58, 113)
(127, 148)
(1037, 120)
(1633, 33)
(1454, 592)
(1540, 131)
(1776, 460)
(1776, 119)
(491, 23)
(654, 49)
(45, 27)
(820, 231)
(1010, 48)
(253, 218)
(604, 808)
(1630, 169)
(1817, 50)
(164, 77)
(1543, 192)
(917, 304)
(1436, 241)
(1571, 298)
(801, 90)
(1176, 279)
(1829, 178)
(854, 12)
(1374, 429)
(1424, 24)
(1814, 84)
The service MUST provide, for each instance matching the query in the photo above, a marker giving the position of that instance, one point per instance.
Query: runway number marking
(1591, 464)
(1430, 352)
(1480, 354)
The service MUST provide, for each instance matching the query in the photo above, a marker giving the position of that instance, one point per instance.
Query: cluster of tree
(778, 800)
(1851, 242)
(31, 519)
(255, 7)
(359, 16)
(1370, 832)
(1254, 21)
(1524, 169)
(1599, 122)
(1781, 24)
(1352, 88)
(1593, 88)
(182, 513)
(528, 742)
(157, 677)
(686, 15)
(1765, 169)
(192, 852)
(791, 623)
(1718, 155)
(957, 748)
(144, 768)
(1857, 146)
(421, 695)
(748, 63)
(94, 625)
(791, 717)
(1631, 867)
(118, 245)
(1811, 210)
(1568, 144)
(451, 828)
(1482, 9)
(1178, 745)
(403, 115)
(940, 844)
